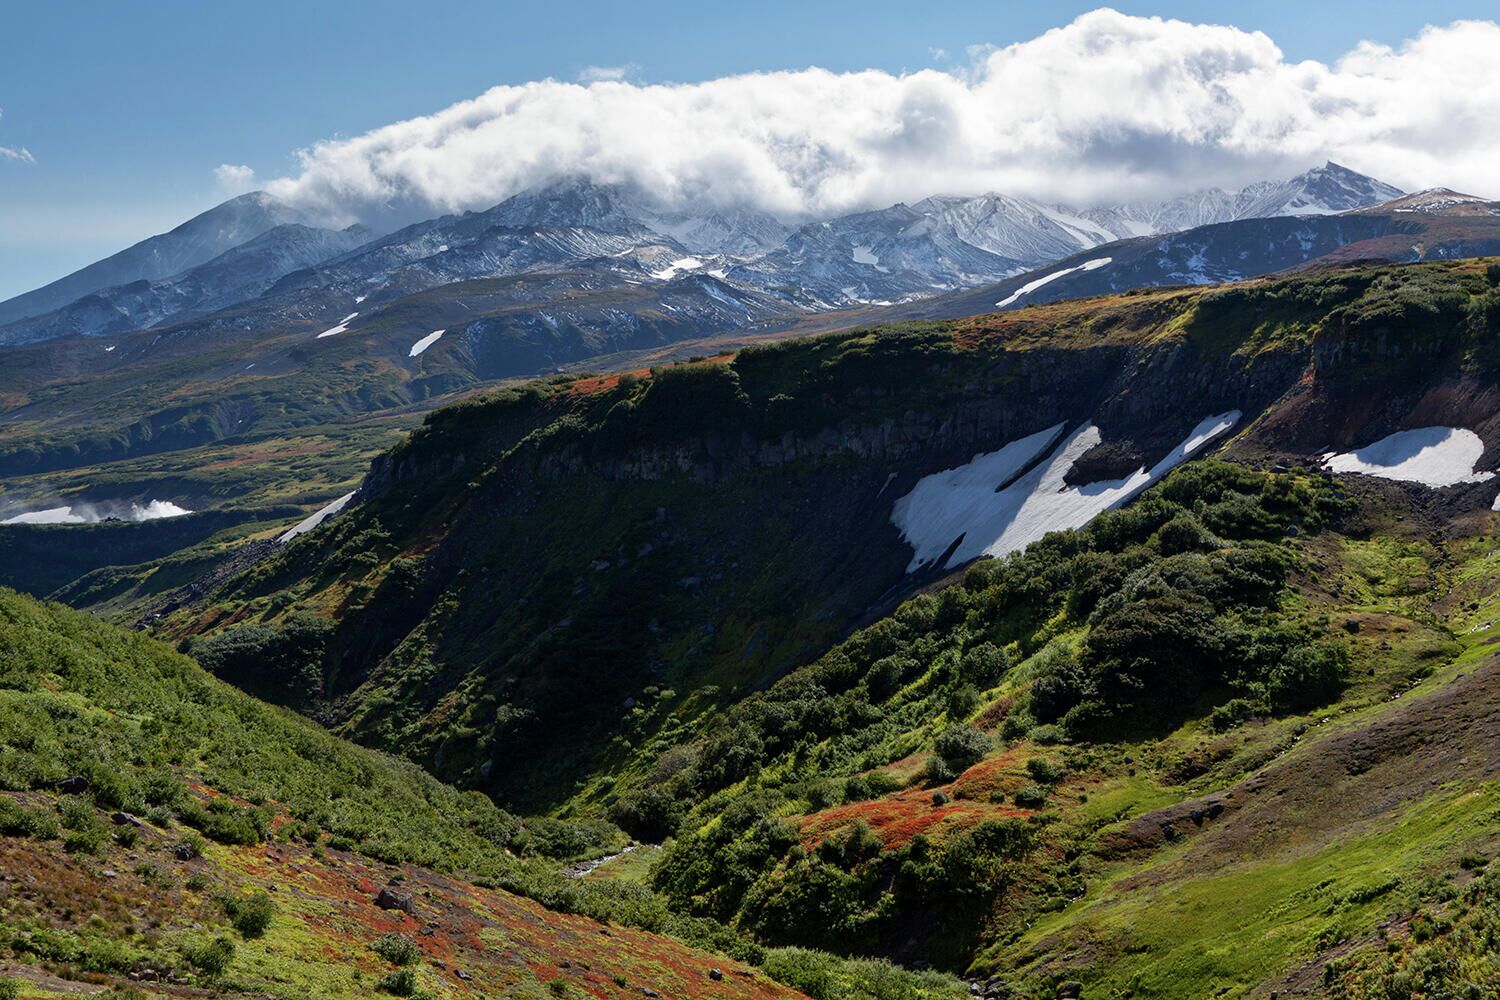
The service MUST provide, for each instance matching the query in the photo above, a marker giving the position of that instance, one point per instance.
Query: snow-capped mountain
(196, 241)
(615, 209)
(233, 277)
(737, 232)
(1441, 201)
(944, 243)
(893, 254)
(565, 226)
(1325, 190)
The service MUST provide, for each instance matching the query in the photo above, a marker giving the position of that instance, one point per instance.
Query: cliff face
(524, 566)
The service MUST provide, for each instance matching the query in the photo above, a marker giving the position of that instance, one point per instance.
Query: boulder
(391, 899)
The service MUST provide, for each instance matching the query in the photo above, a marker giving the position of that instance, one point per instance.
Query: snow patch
(985, 508)
(425, 342)
(865, 254)
(307, 524)
(343, 325)
(111, 347)
(680, 264)
(1031, 286)
(1432, 456)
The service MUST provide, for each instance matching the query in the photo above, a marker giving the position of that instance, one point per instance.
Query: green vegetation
(251, 914)
(1122, 629)
(142, 730)
(1203, 746)
(398, 949)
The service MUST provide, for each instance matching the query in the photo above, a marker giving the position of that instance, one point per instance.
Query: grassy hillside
(572, 575)
(161, 828)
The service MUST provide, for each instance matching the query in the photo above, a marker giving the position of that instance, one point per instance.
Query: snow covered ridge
(1031, 286)
(312, 521)
(988, 507)
(1432, 456)
(89, 513)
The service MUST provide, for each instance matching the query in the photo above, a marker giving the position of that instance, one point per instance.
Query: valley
(596, 583)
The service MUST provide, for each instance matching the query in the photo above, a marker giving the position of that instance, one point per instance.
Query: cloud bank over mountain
(1108, 107)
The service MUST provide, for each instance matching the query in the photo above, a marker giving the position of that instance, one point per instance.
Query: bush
(1031, 797)
(251, 914)
(1044, 772)
(961, 746)
(983, 665)
(1308, 676)
(209, 957)
(18, 821)
(1233, 712)
(1048, 735)
(1492, 273)
(398, 949)
(401, 983)
(10, 989)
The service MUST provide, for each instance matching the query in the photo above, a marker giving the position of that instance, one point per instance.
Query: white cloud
(608, 74)
(234, 178)
(1105, 108)
(18, 153)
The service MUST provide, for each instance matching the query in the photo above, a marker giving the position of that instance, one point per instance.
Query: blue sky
(127, 109)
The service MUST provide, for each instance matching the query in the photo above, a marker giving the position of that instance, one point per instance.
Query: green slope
(154, 819)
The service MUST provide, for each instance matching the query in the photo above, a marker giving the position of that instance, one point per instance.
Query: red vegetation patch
(1004, 772)
(500, 942)
(898, 819)
(603, 383)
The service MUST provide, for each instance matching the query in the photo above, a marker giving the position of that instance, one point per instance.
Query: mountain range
(971, 598)
(894, 254)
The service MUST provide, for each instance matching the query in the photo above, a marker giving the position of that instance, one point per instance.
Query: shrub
(984, 664)
(1308, 676)
(1044, 772)
(1031, 797)
(1492, 272)
(251, 914)
(400, 983)
(107, 955)
(961, 746)
(16, 820)
(1047, 735)
(77, 813)
(398, 949)
(939, 771)
(1233, 712)
(209, 957)
(9, 989)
